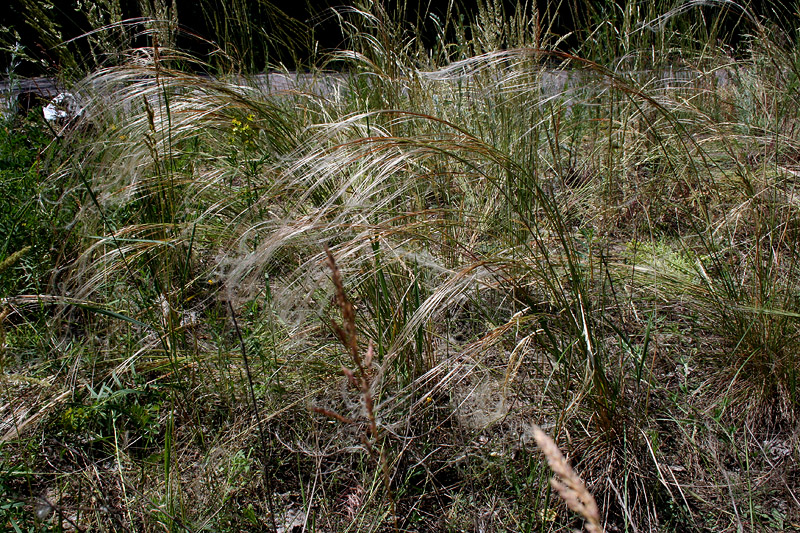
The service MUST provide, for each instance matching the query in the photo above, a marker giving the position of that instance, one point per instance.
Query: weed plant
(599, 241)
(28, 227)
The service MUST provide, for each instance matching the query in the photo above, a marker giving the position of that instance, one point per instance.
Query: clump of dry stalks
(359, 379)
(570, 487)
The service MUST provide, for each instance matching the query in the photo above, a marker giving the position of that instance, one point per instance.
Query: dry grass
(522, 237)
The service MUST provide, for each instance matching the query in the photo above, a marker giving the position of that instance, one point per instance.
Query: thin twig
(262, 434)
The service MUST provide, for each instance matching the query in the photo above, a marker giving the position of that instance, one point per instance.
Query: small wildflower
(547, 515)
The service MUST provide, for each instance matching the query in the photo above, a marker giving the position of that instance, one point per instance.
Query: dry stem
(359, 379)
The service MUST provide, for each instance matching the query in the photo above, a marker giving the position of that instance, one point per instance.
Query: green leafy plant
(24, 223)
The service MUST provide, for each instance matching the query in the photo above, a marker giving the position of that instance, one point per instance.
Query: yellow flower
(547, 515)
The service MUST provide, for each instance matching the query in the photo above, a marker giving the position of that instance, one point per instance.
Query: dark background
(295, 26)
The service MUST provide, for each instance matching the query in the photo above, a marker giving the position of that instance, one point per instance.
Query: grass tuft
(595, 231)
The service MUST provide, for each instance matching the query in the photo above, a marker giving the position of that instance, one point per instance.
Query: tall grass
(528, 237)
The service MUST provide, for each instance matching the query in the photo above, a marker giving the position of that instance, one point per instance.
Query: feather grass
(525, 234)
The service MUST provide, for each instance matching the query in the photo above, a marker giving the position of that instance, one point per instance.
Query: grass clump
(597, 241)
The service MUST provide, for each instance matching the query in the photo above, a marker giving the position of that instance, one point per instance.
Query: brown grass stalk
(359, 379)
